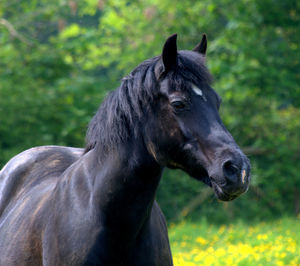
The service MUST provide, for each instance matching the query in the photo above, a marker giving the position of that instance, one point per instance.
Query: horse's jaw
(202, 175)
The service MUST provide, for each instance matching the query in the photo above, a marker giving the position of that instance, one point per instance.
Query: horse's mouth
(219, 191)
(221, 194)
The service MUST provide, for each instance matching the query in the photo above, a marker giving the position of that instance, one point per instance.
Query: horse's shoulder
(33, 166)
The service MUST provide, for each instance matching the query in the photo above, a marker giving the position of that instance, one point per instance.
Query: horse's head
(187, 131)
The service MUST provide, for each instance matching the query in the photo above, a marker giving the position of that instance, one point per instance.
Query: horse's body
(39, 193)
(69, 206)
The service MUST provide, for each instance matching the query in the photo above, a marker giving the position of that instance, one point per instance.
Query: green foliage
(58, 60)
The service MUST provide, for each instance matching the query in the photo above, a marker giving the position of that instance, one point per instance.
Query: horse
(96, 205)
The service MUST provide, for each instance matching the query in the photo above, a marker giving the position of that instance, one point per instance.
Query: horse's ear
(169, 53)
(201, 46)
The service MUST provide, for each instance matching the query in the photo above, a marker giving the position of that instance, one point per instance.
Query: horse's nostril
(231, 171)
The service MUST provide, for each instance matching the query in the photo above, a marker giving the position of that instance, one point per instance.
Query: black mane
(117, 117)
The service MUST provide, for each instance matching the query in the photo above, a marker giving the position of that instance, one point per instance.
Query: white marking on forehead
(198, 91)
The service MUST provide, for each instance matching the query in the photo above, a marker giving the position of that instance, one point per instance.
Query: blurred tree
(58, 60)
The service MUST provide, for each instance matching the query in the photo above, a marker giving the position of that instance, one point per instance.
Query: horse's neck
(122, 187)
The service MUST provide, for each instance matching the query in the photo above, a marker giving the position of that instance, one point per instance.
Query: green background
(59, 59)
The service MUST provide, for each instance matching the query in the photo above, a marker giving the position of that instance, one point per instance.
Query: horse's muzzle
(233, 178)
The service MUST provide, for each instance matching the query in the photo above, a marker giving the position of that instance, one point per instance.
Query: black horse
(69, 206)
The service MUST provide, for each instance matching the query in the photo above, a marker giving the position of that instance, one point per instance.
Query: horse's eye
(178, 105)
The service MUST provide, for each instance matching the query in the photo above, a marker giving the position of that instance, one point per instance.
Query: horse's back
(27, 182)
(31, 167)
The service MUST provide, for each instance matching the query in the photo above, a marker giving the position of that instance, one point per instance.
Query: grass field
(272, 243)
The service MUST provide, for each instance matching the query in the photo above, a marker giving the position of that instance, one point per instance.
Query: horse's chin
(221, 194)
(201, 174)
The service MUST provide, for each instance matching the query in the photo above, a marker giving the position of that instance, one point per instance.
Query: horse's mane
(118, 116)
